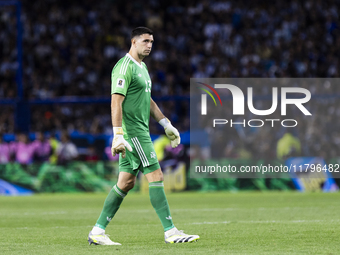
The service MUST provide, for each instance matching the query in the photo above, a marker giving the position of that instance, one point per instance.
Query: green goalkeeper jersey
(131, 79)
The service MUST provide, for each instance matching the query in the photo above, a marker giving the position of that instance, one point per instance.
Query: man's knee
(126, 181)
(126, 185)
(159, 176)
(155, 176)
(130, 183)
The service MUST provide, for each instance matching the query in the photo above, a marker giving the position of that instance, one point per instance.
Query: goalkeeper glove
(171, 132)
(119, 143)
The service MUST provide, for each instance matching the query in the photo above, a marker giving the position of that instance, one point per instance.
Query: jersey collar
(134, 60)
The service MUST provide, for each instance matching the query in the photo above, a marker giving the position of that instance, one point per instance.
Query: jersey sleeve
(121, 78)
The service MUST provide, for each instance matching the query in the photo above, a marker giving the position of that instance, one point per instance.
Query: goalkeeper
(131, 107)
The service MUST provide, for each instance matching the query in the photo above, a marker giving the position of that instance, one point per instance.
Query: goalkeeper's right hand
(119, 143)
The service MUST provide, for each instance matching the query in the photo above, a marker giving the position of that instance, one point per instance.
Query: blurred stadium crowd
(70, 49)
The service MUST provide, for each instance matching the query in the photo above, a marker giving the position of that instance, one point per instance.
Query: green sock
(160, 204)
(111, 206)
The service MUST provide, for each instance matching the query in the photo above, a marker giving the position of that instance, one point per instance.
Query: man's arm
(155, 112)
(118, 143)
(171, 132)
(116, 109)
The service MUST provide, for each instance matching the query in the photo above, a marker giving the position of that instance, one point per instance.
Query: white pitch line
(259, 221)
(88, 211)
(27, 228)
(206, 223)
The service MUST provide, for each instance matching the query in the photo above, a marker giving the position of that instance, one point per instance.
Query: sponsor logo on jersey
(153, 155)
(120, 83)
(139, 75)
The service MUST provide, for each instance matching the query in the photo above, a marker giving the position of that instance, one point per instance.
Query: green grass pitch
(240, 223)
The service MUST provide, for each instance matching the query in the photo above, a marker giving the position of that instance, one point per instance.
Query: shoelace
(180, 232)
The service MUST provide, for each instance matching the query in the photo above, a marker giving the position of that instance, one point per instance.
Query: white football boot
(101, 239)
(177, 236)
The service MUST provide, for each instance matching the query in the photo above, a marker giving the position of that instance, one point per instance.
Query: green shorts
(142, 158)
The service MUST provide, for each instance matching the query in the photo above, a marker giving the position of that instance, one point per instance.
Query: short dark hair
(140, 31)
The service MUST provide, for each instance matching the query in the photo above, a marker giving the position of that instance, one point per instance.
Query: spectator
(66, 151)
(288, 146)
(4, 151)
(22, 150)
(54, 144)
(42, 147)
(91, 155)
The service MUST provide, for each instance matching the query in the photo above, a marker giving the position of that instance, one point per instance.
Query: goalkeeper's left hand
(171, 132)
